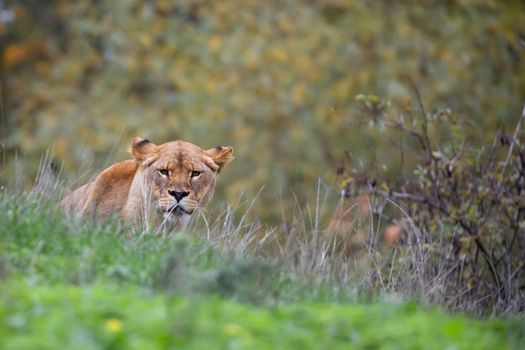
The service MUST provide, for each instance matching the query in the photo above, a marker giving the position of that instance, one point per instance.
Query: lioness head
(181, 176)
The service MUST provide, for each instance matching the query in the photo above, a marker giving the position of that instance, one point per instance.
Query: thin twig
(514, 137)
(425, 119)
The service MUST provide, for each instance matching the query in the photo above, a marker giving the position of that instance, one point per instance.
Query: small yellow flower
(240, 333)
(113, 325)
(232, 329)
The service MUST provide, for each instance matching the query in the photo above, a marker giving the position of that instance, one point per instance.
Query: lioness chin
(161, 183)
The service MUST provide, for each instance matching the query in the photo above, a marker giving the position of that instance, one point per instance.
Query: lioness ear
(143, 150)
(221, 155)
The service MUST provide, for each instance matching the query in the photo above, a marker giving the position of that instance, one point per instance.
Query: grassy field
(68, 285)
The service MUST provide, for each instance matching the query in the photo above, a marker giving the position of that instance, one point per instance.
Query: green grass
(111, 317)
(70, 285)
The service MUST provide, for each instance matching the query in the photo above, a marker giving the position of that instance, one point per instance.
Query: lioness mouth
(178, 210)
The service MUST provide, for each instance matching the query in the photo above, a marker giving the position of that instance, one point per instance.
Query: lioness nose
(178, 195)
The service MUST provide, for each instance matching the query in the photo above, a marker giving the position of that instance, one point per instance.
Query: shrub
(462, 204)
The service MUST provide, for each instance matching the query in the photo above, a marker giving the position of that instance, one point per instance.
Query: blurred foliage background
(275, 79)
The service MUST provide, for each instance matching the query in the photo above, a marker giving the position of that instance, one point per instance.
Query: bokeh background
(277, 80)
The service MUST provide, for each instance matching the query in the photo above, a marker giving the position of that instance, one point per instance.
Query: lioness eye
(164, 172)
(195, 173)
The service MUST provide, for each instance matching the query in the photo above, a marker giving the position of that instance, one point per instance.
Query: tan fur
(349, 226)
(146, 187)
(345, 229)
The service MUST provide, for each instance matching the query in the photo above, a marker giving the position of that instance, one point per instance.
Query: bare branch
(514, 138)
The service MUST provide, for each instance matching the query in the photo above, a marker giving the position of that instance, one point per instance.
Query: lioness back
(107, 194)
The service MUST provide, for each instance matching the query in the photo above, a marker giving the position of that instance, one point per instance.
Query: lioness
(170, 181)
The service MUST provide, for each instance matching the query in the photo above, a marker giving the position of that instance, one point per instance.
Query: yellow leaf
(298, 94)
(215, 44)
(278, 54)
